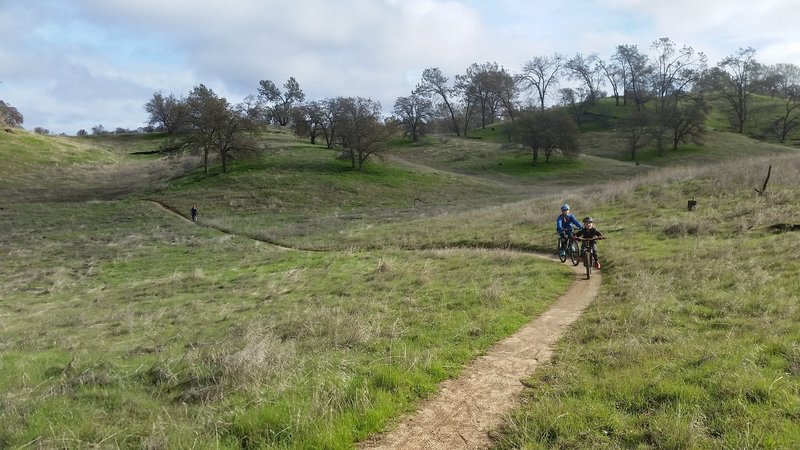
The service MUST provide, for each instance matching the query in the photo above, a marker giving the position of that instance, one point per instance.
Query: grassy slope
(124, 325)
(24, 155)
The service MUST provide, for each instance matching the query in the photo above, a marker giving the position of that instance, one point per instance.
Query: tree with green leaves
(167, 112)
(214, 127)
(413, 114)
(282, 102)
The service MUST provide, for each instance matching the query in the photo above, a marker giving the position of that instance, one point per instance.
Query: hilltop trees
(670, 87)
(782, 81)
(548, 132)
(212, 126)
(679, 115)
(282, 102)
(541, 73)
(589, 72)
(735, 79)
(635, 71)
(413, 114)
(435, 84)
(9, 116)
(362, 133)
(167, 112)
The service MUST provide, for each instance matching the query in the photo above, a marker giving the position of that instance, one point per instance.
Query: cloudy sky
(74, 64)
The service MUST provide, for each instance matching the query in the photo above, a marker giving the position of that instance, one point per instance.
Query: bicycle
(570, 246)
(588, 252)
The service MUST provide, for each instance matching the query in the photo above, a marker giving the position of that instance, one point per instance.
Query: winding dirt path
(468, 407)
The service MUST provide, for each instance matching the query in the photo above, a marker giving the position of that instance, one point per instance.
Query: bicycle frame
(570, 247)
(588, 251)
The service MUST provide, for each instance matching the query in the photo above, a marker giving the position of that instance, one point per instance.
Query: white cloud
(69, 65)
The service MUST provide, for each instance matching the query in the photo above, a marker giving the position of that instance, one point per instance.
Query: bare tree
(589, 71)
(783, 81)
(168, 112)
(576, 101)
(686, 121)
(470, 97)
(282, 102)
(361, 134)
(506, 90)
(675, 73)
(635, 129)
(735, 78)
(413, 114)
(790, 117)
(546, 132)
(615, 75)
(434, 84)
(541, 73)
(636, 72)
(489, 86)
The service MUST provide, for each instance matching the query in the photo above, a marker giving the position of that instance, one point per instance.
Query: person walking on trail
(564, 223)
(590, 232)
(194, 213)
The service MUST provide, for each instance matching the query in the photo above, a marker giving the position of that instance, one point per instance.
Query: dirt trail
(169, 210)
(468, 407)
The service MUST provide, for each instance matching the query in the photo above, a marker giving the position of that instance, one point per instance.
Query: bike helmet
(588, 219)
(564, 207)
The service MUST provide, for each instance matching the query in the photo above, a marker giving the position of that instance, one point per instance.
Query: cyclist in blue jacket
(564, 223)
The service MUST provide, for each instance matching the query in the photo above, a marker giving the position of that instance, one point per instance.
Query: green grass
(693, 342)
(25, 156)
(122, 325)
(167, 330)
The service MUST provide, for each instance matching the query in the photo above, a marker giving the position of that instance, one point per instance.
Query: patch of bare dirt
(468, 407)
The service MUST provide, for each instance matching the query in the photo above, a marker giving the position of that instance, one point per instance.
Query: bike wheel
(561, 245)
(588, 260)
(574, 253)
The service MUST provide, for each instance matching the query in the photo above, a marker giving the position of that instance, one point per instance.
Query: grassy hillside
(123, 325)
(25, 156)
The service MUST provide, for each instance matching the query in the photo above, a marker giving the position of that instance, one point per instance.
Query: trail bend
(467, 408)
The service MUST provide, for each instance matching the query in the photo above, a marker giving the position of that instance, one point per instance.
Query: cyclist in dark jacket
(564, 223)
(590, 232)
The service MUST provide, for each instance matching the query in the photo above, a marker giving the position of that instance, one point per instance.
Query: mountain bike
(588, 250)
(570, 245)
